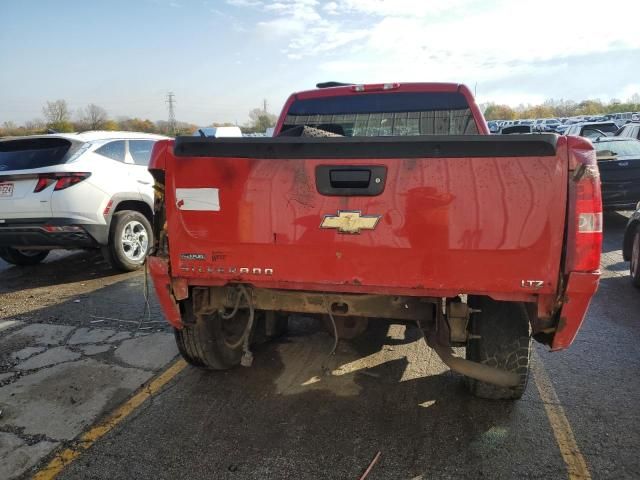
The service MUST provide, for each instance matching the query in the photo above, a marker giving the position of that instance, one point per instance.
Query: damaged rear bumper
(159, 270)
(580, 290)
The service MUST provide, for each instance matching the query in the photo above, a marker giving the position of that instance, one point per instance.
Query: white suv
(86, 190)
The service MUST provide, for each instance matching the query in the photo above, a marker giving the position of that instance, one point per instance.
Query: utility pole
(172, 113)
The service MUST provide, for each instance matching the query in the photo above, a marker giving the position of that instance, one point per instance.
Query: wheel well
(136, 205)
(628, 240)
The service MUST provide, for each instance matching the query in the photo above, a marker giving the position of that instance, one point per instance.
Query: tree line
(560, 108)
(58, 117)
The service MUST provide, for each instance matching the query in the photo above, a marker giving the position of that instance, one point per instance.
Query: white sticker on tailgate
(203, 199)
(6, 189)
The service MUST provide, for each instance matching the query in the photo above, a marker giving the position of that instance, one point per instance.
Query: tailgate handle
(350, 180)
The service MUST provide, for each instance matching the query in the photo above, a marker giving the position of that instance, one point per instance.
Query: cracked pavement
(70, 351)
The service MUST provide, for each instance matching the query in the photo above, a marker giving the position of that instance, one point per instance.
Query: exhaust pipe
(475, 370)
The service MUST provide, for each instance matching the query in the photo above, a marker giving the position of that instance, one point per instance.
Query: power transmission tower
(172, 113)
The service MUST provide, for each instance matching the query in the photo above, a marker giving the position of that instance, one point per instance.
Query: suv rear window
(28, 153)
(385, 114)
(140, 151)
(114, 150)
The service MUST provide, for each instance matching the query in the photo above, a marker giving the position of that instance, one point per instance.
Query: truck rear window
(28, 153)
(385, 114)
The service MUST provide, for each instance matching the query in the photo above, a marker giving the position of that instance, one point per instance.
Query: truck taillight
(585, 215)
(157, 167)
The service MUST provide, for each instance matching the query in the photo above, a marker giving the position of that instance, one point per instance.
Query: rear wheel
(16, 256)
(210, 341)
(130, 239)
(635, 259)
(501, 339)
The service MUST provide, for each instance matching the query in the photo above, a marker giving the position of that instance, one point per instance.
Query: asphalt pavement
(285, 418)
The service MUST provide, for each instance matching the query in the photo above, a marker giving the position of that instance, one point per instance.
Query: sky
(221, 58)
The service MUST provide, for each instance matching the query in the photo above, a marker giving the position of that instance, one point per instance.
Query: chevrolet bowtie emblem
(350, 222)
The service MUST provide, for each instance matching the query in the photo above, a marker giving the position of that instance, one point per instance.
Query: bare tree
(93, 117)
(55, 112)
(57, 116)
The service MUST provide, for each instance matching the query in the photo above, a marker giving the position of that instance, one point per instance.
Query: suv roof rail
(332, 84)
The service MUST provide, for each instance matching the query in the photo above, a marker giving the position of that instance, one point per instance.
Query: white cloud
(331, 8)
(403, 8)
(488, 36)
(457, 40)
(309, 33)
(244, 3)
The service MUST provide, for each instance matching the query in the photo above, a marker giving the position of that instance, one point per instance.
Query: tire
(130, 240)
(501, 339)
(22, 257)
(205, 340)
(634, 265)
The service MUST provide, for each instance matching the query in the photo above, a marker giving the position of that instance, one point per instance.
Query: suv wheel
(501, 339)
(130, 239)
(16, 256)
(634, 269)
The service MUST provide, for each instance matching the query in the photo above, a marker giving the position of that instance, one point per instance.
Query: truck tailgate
(473, 214)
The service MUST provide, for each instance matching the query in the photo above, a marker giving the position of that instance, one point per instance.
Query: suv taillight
(43, 182)
(62, 180)
(69, 180)
(584, 242)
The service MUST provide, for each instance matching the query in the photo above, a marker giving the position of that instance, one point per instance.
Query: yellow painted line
(576, 465)
(68, 455)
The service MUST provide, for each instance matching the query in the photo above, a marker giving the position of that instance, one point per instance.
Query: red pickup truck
(380, 202)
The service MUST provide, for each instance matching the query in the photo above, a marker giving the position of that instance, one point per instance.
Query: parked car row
(560, 125)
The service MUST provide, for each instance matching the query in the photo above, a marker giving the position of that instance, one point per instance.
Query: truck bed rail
(420, 146)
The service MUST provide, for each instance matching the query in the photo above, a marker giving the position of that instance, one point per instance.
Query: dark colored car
(630, 130)
(516, 129)
(631, 246)
(619, 164)
(592, 129)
